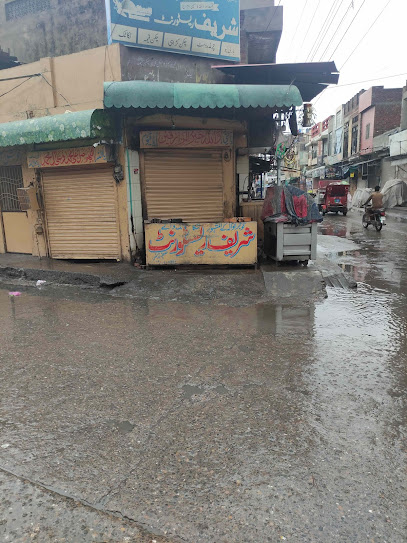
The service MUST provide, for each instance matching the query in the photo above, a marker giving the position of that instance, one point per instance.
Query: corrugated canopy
(90, 124)
(149, 94)
(311, 78)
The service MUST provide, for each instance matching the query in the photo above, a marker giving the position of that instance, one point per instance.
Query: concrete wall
(70, 26)
(146, 65)
(73, 82)
(403, 124)
(67, 27)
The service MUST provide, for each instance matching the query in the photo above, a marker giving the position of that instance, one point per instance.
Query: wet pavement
(143, 418)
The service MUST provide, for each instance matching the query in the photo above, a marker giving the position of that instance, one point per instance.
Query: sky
(382, 53)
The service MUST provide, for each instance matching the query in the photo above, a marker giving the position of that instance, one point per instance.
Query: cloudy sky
(382, 53)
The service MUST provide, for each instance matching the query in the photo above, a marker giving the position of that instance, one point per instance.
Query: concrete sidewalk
(235, 287)
(94, 274)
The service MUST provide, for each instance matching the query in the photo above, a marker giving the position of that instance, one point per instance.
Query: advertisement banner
(209, 29)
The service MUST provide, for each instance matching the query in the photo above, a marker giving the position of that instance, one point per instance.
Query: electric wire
(16, 87)
(337, 29)
(299, 22)
(274, 12)
(56, 90)
(347, 30)
(367, 32)
(309, 26)
(322, 33)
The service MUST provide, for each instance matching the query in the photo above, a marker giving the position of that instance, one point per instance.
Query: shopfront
(188, 138)
(80, 202)
(78, 184)
(15, 231)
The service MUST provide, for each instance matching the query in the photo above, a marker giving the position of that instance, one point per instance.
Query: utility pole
(279, 160)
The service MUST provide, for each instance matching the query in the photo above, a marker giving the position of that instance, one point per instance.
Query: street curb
(60, 277)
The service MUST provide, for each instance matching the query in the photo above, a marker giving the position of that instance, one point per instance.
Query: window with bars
(20, 8)
(11, 179)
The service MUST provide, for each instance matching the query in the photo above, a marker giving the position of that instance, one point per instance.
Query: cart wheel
(305, 263)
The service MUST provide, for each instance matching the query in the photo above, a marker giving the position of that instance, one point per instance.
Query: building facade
(360, 136)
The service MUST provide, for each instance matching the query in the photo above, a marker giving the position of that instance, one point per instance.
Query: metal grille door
(11, 179)
(184, 185)
(80, 206)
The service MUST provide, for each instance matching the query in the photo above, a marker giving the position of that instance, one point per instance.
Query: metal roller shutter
(80, 206)
(184, 184)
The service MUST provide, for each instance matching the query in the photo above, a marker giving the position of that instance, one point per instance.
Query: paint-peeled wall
(32, 30)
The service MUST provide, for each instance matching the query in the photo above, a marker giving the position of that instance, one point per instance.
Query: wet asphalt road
(135, 420)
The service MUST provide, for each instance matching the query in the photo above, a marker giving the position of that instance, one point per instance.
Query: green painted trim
(150, 94)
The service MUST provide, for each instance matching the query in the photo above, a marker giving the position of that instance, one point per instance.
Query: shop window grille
(20, 8)
(11, 179)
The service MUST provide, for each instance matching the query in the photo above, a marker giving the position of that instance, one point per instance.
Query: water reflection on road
(215, 423)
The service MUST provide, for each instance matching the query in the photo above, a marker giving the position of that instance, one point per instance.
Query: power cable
(299, 22)
(20, 77)
(52, 86)
(327, 30)
(337, 29)
(321, 34)
(309, 27)
(367, 32)
(16, 87)
(347, 30)
(274, 12)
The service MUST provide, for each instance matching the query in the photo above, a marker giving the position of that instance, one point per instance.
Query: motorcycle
(376, 217)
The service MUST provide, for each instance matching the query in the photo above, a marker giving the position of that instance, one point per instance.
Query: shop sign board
(210, 243)
(207, 28)
(183, 139)
(79, 156)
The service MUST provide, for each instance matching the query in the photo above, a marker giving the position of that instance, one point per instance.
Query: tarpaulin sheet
(394, 193)
(290, 204)
(360, 197)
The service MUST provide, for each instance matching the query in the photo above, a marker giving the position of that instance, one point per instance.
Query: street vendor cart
(290, 225)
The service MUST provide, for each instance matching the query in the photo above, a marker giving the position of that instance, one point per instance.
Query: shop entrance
(15, 221)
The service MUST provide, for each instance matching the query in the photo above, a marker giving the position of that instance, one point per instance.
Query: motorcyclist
(377, 200)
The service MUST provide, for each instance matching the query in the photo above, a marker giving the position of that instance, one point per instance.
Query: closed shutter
(184, 185)
(80, 206)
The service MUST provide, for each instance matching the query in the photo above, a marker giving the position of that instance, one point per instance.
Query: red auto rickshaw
(336, 198)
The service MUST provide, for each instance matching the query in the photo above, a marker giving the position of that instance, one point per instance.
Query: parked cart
(290, 225)
(288, 242)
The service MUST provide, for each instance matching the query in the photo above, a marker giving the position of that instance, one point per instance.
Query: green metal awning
(90, 124)
(149, 94)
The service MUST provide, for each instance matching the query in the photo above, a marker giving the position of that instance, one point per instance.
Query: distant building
(357, 139)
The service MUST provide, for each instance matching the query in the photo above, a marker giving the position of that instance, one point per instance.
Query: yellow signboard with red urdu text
(193, 244)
